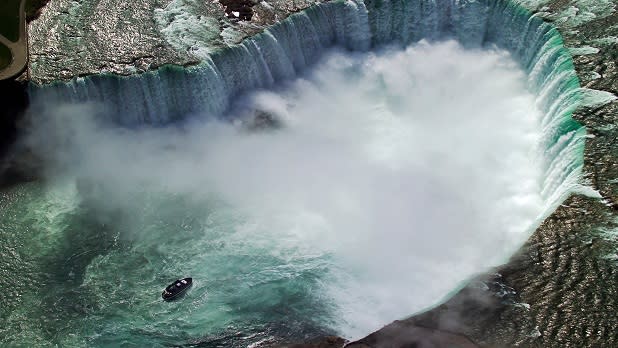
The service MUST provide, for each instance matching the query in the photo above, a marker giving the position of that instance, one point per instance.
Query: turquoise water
(375, 189)
(77, 279)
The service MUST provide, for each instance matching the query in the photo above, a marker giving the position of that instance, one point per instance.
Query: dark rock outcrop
(238, 9)
(262, 120)
(326, 342)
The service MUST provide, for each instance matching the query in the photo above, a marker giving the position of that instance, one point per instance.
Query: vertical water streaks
(284, 50)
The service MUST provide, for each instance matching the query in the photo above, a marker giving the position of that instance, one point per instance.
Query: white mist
(405, 172)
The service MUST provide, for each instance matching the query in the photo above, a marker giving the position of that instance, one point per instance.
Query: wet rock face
(238, 9)
(262, 121)
(326, 342)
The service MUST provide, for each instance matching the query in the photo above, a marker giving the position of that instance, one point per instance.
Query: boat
(178, 288)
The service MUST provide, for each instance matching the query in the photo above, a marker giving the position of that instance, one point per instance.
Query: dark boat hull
(177, 289)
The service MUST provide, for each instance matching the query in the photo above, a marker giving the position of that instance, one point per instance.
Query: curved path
(19, 49)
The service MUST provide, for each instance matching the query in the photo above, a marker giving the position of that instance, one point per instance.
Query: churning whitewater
(396, 176)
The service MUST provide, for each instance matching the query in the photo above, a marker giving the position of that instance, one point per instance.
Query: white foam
(406, 172)
(584, 50)
(583, 11)
(596, 98)
(187, 27)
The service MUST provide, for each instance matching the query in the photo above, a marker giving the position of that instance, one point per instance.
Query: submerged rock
(261, 121)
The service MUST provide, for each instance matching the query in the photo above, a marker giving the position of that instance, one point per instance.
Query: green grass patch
(5, 56)
(9, 19)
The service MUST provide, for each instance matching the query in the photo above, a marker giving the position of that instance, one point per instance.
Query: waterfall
(173, 93)
(309, 230)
